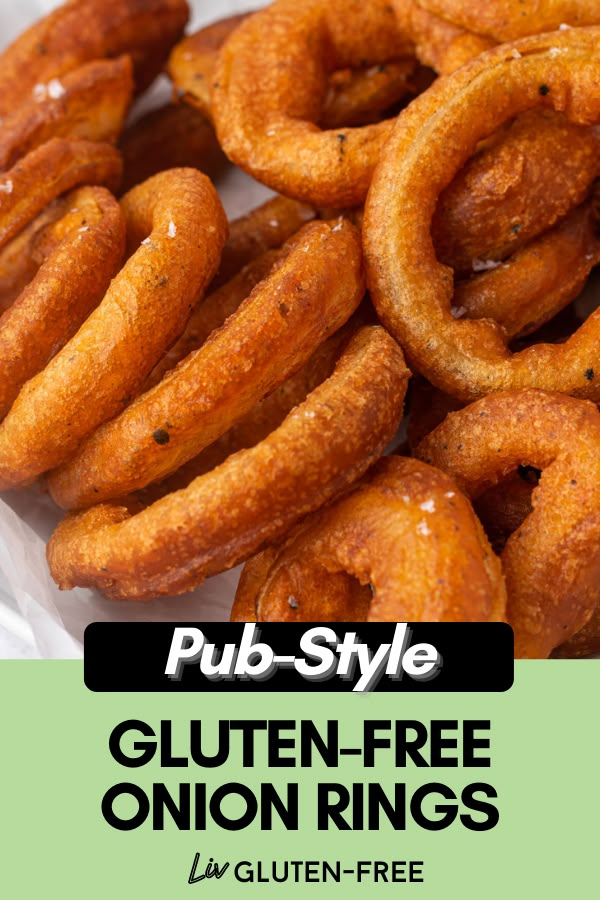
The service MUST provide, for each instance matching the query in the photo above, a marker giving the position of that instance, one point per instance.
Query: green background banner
(56, 767)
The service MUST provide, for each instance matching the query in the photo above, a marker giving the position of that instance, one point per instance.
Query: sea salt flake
(422, 528)
(482, 265)
(7, 187)
(428, 506)
(458, 312)
(172, 229)
(564, 27)
(449, 494)
(40, 92)
(273, 223)
(515, 54)
(55, 89)
(147, 242)
(83, 229)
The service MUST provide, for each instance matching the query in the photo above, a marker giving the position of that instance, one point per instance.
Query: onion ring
(92, 106)
(144, 29)
(469, 359)
(406, 530)
(506, 20)
(552, 562)
(63, 293)
(48, 171)
(253, 498)
(354, 96)
(172, 137)
(180, 220)
(312, 293)
(439, 44)
(264, 116)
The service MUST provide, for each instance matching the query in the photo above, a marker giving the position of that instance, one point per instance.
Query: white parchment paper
(54, 619)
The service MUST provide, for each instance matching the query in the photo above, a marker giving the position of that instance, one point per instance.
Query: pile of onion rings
(198, 394)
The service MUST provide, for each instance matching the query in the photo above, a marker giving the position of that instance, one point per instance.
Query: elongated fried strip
(312, 293)
(506, 20)
(265, 417)
(253, 498)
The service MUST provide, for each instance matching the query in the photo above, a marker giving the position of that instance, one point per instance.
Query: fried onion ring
(83, 30)
(354, 96)
(406, 531)
(92, 106)
(253, 498)
(411, 290)
(177, 227)
(50, 170)
(264, 113)
(506, 20)
(84, 250)
(552, 562)
(439, 44)
(312, 293)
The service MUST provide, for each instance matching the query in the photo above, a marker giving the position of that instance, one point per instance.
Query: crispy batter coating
(181, 221)
(506, 20)
(49, 171)
(253, 498)
(92, 105)
(407, 532)
(213, 311)
(265, 417)
(412, 291)
(83, 251)
(552, 562)
(171, 137)
(264, 228)
(83, 30)
(583, 643)
(353, 97)
(438, 43)
(273, 333)
(268, 89)
(537, 281)
(192, 62)
(522, 182)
